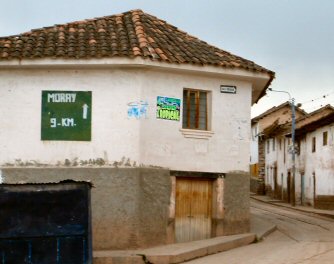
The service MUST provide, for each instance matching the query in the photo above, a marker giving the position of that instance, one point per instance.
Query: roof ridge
(74, 22)
(131, 33)
(276, 108)
(317, 111)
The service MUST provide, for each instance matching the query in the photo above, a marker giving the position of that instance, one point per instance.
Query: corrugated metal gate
(45, 223)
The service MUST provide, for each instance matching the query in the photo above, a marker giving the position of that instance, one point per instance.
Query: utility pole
(293, 149)
(293, 129)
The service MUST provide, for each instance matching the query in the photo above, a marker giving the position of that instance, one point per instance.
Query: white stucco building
(141, 140)
(146, 112)
(261, 153)
(314, 178)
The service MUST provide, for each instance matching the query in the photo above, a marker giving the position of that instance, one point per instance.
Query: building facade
(153, 126)
(313, 183)
(262, 126)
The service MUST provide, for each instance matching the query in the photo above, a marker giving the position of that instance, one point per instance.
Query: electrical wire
(319, 98)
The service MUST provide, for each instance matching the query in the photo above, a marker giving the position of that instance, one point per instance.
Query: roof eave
(259, 80)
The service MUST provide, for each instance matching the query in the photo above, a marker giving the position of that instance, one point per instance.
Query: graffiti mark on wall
(240, 129)
(138, 109)
(168, 108)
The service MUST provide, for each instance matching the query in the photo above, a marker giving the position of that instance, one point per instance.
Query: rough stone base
(257, 186)
(236, 203)
(129, 205)
(325, 202)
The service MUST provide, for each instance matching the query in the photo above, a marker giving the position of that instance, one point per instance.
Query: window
(268, 145)
(274, 144)
(284, 150)
(313, 144)
(298, 147)
(280, 144)
(195, 109)
(324, 138)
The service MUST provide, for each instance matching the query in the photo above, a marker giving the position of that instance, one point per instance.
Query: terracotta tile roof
(130, 34)
(275, 109)
(307, 123)
(315, 116)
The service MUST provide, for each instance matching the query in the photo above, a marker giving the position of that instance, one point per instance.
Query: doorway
(193, 209)
(288, 179)
(276, 191)
(45, 223)
(302, 189)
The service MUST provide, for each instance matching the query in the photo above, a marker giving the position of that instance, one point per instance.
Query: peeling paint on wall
(76, 162)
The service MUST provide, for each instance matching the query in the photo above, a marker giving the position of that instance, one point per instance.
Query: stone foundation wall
(236, 203)
(129, 205)
(132, 208)
(257, 186)
(325, 202)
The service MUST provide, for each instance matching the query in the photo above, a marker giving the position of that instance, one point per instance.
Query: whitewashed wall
(254, 146)
(320, 162)
(270, 161)
(115, 135)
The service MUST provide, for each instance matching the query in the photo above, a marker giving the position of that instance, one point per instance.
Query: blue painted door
(45, 224)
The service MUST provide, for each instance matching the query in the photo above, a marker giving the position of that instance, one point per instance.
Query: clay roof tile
(132, 33)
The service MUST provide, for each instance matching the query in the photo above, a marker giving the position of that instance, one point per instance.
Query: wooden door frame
(302, 188)
(276, 194)
(217, 202)
(192, 182)
(314, 189)
(288, 187)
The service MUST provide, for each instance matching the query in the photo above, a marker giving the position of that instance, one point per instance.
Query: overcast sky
(295, 38)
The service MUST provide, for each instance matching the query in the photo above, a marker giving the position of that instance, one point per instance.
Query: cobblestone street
(300, 238)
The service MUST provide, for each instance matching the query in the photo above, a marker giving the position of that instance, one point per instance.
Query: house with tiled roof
(261, 128)
(313, 183)
(157, 120)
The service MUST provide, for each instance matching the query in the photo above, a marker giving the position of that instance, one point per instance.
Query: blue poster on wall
(168, 108)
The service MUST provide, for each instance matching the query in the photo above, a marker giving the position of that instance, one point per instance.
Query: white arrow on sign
(85, 111)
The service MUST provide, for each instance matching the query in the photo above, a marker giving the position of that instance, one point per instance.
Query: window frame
(274, 144)
(325, 138)
(197, 93)
(314, 144)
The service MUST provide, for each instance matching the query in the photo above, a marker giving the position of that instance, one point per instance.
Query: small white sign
(231, 89)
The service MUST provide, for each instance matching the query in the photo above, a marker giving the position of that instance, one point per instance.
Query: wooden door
(276, 191)
(193, 209)
(289, 187)
(302, 187)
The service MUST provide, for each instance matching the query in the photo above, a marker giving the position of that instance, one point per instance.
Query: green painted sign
(66, 115)
(168, 108)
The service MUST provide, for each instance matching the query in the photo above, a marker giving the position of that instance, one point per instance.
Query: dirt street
(299, 239)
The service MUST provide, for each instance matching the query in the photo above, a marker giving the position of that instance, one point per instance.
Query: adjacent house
(156, 119)
(262, 146)
(314, 179)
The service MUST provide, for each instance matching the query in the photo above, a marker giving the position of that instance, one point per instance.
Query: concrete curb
(261, 227)
(331, 216)
(266, 233)
(174, 253)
